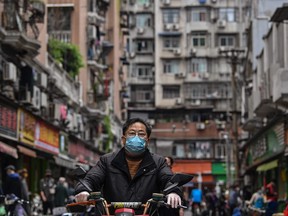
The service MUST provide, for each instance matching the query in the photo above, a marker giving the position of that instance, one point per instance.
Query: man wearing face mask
(132, 174)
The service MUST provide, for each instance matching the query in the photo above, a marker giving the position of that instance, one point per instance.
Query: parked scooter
(14, 206)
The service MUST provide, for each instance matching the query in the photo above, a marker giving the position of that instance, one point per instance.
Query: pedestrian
(13, 183)
(232, 198)
(47, 191)
(61, 193)
(25, 191)
(196, 200)
(132, 173)
(271, 198)
(257, 200)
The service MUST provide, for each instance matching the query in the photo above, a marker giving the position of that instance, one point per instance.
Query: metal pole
(233, 55)
(234, 60)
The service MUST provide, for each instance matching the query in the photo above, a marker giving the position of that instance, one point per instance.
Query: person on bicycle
(131, 174)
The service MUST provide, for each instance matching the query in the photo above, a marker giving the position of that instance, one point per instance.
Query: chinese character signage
(8, 122)
(27, 124)
(46, 137)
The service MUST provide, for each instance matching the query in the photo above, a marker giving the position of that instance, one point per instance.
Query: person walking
(47, 191)
(61, 193)
(271, 198)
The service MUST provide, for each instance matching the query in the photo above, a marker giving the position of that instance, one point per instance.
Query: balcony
(64, 36)
(280, 87)
(142, 80)
(19, 31)
(95, 18)
(64, 83)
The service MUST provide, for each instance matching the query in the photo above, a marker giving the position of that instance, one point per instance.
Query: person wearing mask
(47, 191)
(131, 174)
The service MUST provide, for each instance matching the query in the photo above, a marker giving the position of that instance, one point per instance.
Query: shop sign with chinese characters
(8, 122)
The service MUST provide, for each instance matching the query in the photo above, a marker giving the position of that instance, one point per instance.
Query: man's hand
(174, 200)
(80, 197)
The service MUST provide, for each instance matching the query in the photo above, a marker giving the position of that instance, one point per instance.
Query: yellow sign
(27, 123)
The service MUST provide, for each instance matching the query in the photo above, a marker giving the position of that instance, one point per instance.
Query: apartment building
(55, 114)
(265, 152)
(180, 81)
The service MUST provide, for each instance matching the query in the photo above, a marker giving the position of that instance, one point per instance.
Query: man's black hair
(131, 121)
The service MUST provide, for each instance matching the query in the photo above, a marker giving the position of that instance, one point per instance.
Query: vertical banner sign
(46, 137)
(63, 143)
(27, 123)
(8, 122)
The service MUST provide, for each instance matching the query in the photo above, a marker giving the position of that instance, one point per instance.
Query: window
(171, 42)
(227, 14)
(199, 15)
(199, 150)
(144, 72)
(227, 40)
(143, 20)
(171, 91)
(143, 94)
(171, 16)
(220, 151)
(198, 65)
(171, 67)
(199, 39)
(142, 2)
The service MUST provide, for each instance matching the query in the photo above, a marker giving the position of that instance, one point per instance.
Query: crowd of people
(53, 194)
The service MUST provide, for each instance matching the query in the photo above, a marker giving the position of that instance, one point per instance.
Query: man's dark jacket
(112, 173)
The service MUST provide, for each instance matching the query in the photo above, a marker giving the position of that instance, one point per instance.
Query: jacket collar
(146, 165)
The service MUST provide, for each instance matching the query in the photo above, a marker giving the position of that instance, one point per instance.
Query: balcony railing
(64, 36)
(63, 81)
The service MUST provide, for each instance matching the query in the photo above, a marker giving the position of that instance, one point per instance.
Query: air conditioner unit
(205, 75)
(179, 101)
(196, 102)
(44, 100)
(151, 122)
(167, 26)
(176, 26)
(132, 54)
(43, 80)
(220, 126)
(177, 51)
(193, 51)
(213, 1)
(200, 126)
(36, 101)
(56, 111)
(166, 2)
(221, 23)
(9, 72)
(26, 100)
(140, 30)
(180, 75)
(146, 5)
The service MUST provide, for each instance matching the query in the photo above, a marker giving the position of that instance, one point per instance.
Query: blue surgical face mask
(135, 145)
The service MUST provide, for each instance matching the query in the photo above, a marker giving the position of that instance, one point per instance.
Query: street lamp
(233, 55)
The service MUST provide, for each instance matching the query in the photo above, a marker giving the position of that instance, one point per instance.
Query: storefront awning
(267, 166)
(65, 162)
(27, 151)
(8, 150)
